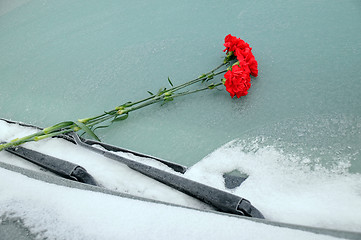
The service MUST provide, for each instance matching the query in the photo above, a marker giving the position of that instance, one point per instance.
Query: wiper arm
(176, 167)
(58, 166)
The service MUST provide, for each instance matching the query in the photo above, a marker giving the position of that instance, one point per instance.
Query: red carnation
(242, 51)
(252, 64)
(232, 43)
(238, 80)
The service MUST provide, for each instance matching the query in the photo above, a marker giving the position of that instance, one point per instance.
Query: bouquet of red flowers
(240, 64)
(237, 79)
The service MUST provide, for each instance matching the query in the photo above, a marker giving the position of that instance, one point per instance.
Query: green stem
(99, 121)
(197, 90)
(53, 134)
(203, 77)
(20, 141)
(174, 89)
(152, 101)
(66, 127)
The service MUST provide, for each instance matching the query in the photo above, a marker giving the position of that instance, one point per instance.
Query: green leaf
(120, 118)
(102, 126)
(150, 93)
(170, 82)
(57, 126)
(86, 129)
(127, 104)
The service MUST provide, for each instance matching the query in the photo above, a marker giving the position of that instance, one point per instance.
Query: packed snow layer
(285, 188)
(57, 212)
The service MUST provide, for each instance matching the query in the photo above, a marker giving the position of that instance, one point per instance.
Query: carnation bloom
(238, 80)
(242, 51)
(232, 43)
(252, 64)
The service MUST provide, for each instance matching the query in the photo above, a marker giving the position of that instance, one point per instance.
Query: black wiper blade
(221, 200)
(58, 166)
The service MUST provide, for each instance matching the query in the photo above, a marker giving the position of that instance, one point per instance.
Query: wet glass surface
(65, 60)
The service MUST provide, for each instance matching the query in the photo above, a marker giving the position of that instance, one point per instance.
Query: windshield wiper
(56, 165)
(221, 200)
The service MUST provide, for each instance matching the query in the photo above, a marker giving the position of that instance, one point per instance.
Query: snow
(79, 214)
(283, 187)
